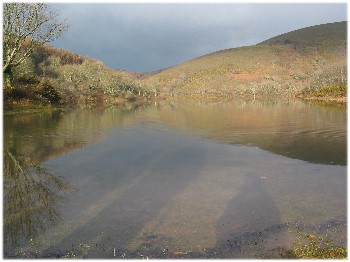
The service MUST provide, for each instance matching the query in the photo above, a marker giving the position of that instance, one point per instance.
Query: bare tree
(25, 27)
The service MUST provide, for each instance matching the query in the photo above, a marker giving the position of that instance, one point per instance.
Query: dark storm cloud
(146, 37)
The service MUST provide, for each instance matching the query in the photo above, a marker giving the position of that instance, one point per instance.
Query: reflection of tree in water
(32, 196)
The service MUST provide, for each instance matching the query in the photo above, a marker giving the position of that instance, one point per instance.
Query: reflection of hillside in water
(300, 130)
(295, 129)
(33, 194)
(142, 184)
(49, 134)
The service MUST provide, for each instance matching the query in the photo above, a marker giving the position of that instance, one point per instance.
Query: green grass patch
(309, 245)
(334, 90)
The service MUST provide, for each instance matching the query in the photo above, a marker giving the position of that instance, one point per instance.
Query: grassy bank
(331, 92)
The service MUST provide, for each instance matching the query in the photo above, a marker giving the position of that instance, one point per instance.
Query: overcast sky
(146, 37)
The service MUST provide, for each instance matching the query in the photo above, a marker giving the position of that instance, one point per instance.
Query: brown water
(226, 180)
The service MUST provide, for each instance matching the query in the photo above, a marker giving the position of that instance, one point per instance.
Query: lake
(204, 180)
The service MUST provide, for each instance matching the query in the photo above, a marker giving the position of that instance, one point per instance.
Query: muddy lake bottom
(219, 180)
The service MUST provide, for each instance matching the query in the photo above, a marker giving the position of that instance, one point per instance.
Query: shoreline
(327, 99)
(9, 110)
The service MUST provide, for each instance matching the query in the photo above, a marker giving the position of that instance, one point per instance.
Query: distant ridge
(318, 35)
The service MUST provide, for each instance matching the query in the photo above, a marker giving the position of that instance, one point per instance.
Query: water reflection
(146, 190)
(156, 181)
(311, 132)
(32, 197)
(302, 130)
(42, 136)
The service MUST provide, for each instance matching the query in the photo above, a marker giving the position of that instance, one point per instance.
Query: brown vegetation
(274, 69)
(57, 77)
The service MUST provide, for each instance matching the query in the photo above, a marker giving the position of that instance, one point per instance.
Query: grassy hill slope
(309, 62)
(326, 35)
(295, 63)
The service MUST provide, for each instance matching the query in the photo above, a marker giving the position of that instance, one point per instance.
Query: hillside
(327, 35)
(298, 63)
(309, 63)
(52, 76)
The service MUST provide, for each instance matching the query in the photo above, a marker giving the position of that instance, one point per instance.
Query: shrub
(338, 89)
(27, 79)
(49, 91)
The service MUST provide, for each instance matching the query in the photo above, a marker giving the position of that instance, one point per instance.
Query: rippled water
(174, 180)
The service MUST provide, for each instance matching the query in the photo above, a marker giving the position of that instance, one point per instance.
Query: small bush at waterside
(336, 90)
(330, 84)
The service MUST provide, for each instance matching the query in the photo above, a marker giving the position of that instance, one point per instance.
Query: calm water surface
(168, 181)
